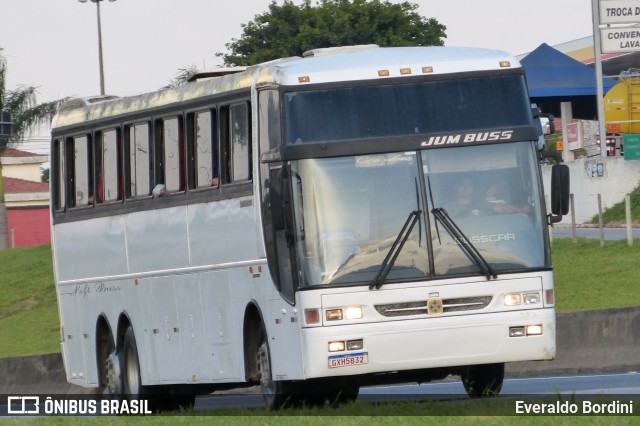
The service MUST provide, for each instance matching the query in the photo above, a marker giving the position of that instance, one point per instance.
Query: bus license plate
(348, 360)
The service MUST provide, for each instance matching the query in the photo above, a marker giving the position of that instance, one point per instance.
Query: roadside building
(26, 198)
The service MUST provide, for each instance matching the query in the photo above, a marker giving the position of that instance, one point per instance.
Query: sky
(53, 44)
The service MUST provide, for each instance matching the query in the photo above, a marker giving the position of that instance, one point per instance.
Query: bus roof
(370, 63)
(354, 63)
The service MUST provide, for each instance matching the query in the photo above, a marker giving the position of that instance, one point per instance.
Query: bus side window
(269, 116)
(58, 176)
(203, 150)
(108, 166)
(236, 136)
(138, 155)
(170, 154)
(79, 175)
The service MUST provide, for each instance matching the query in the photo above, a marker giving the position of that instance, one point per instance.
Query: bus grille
(420, 307)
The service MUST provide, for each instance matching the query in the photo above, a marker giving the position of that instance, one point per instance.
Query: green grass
(461, 412)
(587, 276)
(29, 322)
(616, 216)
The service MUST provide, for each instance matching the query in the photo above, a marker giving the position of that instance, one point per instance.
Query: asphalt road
(609, 233)
(619, 385)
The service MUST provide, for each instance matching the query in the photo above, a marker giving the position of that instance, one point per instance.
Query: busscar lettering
(474, 137)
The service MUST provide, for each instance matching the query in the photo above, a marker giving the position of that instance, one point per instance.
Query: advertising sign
(574, 136)
(620, 39)
(631, 146)
(619, 11)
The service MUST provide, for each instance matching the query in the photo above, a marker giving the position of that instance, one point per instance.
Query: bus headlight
(355, 345)
(333, 314)
(522, 331)
(534, 330)
(531, 298)
(337, 314)
(353, 312)
(516, 299)
(336, 346)
(512, 299)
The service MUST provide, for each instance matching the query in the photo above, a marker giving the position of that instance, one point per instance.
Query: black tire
(276, 394)
(130, 363)
(483, 381)
(108, 382)
(160, 398)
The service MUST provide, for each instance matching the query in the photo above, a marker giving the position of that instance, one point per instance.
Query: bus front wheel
(481, 381)
(276, 394)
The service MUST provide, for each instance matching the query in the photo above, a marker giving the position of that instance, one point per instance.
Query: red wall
(28, 227)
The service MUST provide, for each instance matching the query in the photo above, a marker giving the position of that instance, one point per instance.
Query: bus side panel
(222, 232)
(218, 315)
(188, 331)
(84, 249)
(194, 339)
(157, 239)
(157, 331)
(284, 341)
(90, 248)
(72, 348)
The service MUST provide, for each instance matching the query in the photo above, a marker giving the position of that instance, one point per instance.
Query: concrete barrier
(604, 340)
(38, 374)
(595, 341)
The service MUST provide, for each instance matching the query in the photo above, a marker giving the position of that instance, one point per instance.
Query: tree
(184, 74)
(26, 113)
(289, 30)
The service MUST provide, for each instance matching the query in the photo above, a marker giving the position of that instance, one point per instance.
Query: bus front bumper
(429, 343)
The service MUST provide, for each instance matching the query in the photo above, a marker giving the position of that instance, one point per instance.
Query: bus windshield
(406, 109)
(349, 211)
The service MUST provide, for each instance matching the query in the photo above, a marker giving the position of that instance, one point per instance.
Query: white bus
(357, 216)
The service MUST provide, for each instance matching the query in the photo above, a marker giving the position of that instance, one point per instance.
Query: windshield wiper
(467, 247)
(395, 250)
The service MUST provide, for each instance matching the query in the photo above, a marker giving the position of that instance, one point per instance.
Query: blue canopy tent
(551, 73)
(554, 77)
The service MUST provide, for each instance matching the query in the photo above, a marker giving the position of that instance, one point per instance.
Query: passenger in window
(465, 200)
(215, 182)
(469, 201)
(496, 197)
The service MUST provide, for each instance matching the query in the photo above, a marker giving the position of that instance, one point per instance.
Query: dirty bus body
(293, 225)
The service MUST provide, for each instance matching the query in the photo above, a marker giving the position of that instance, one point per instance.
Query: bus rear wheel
(482, 381)
(131, 382)
(108, 366)
(160, 398)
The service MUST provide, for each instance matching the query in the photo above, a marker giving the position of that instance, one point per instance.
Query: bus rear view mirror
(559, 190)
(275, 202)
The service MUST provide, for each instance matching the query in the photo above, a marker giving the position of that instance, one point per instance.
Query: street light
(97, 2)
